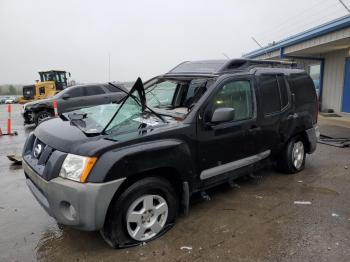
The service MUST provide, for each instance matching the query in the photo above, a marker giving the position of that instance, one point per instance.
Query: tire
(293, 157)
(42, 116)
(143, 212)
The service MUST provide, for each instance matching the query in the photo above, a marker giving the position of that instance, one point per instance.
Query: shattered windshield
(162, 100)
(106, 117)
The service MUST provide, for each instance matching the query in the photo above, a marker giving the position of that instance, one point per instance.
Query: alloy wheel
(146, 217)
(298, 154)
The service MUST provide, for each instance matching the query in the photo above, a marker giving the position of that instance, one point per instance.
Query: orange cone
(9, 120)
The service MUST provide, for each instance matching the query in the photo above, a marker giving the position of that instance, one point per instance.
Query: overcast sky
(144, 38)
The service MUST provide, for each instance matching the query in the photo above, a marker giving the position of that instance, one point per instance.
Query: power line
(315, 20)
(345, 6)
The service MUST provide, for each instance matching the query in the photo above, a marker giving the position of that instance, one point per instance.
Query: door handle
(254, 129)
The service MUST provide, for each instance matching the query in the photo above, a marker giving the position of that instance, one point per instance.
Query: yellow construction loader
(51, 82)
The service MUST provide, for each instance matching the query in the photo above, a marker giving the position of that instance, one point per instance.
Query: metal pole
(256, 41)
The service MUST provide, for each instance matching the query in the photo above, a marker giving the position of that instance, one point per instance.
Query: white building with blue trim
(324, 51)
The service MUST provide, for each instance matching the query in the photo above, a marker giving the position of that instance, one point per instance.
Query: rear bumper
(313, 134)
(80, 205)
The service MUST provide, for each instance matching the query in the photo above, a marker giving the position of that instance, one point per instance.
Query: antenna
(256, 41)
(226, 56)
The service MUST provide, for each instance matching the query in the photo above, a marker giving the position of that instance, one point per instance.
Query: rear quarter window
(303, 87)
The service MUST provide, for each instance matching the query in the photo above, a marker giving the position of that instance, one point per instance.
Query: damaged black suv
(128, 168)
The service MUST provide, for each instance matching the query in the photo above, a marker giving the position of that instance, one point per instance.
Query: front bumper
(28, 116)
(80, 205)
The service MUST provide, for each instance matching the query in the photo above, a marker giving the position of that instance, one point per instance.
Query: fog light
(68, 211)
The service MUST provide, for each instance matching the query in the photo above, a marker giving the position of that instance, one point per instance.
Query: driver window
(237, 95)
(161, 94)
(75, 92)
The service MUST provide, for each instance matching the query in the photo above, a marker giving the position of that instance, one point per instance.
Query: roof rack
(240, 64)
(223, 66)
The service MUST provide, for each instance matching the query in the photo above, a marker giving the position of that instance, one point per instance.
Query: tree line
(10, 90)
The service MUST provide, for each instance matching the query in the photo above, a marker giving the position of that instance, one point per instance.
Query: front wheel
(42, 116)
(143, 212)
(292, 159)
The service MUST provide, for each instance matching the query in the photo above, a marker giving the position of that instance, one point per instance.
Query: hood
(65, 136)
(34, 103)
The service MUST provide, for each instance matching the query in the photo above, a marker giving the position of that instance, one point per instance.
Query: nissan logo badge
(37, 150)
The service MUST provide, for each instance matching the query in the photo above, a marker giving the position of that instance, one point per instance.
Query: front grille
(41, 152)
(42, 158)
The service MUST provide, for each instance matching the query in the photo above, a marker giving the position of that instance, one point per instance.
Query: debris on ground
(335, 215)
(233, 184)
(186, 248)
(302, 203)
(205, 196)
(258, 197)
(300, 181)
(337, 142)
(16, 159)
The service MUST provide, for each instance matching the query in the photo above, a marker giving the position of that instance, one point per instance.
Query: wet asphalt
(257, 222)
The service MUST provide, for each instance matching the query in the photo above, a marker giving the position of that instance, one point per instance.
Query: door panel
(273, 113)
(219, 145)
(346, 90)
(74, 102)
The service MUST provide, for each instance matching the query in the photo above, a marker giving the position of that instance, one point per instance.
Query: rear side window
(271, 101)
(93, 90)
(303, 87)
(283, 90)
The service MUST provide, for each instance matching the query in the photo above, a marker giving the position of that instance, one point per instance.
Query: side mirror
(65, 96)
(224, 114)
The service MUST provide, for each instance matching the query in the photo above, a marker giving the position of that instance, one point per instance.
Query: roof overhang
(329, 27)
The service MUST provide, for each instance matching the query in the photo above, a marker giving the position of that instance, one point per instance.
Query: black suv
(70, 99)
(127, 169)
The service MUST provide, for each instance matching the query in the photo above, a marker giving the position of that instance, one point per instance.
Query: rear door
(275, 110)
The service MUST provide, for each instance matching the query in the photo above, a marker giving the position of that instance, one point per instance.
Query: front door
(223, 147)
(346, 90)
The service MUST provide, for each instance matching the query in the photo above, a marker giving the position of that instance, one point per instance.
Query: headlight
(76, 167)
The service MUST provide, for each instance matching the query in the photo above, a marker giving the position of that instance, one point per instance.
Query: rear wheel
(41, 116)
(143, 212)
(292, 158)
